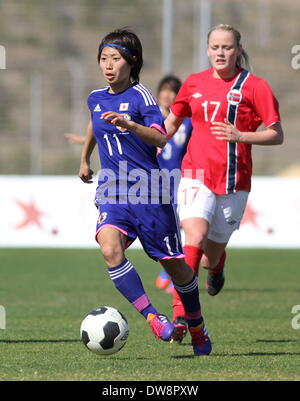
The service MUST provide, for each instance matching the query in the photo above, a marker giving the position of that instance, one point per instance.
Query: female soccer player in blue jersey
(127, 126)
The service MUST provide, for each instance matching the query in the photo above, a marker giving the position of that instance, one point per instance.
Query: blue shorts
(156, 226)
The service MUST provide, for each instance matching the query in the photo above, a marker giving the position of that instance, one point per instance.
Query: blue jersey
(125, 157)
(172, 154)
(120, 151)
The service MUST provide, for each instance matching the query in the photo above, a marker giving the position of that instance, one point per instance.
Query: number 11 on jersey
(115, 136)
(167, 241)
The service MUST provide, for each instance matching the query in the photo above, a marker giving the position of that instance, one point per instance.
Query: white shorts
(223, 212)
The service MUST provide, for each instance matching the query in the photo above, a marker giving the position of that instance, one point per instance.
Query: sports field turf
(46, 293)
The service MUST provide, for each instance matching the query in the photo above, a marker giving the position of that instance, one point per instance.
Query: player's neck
(225, 75)
(118, 87)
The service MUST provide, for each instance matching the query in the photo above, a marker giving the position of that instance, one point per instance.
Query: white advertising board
(58, 211)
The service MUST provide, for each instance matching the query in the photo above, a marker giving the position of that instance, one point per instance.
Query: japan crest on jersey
(234, 97)
(124, 106)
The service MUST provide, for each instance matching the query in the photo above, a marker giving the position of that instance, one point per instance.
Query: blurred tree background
(51, 50)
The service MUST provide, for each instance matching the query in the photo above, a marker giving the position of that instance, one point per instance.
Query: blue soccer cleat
(200, 340)
(161, 327)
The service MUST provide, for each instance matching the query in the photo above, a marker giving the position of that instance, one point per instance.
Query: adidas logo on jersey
(97, 108)
(197, 95)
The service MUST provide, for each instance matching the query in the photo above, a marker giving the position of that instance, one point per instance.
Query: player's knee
(112, 254)
(195, 239)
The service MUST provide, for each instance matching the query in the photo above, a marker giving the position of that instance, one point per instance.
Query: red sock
(220, 266)
(193, 256)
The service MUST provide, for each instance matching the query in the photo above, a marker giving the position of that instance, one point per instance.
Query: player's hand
(110, 117)
(85, 173)
(158, 151)
(73, 138)
(225, 131)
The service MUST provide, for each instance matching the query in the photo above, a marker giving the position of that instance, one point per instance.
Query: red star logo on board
(32, 215)
(250, 216)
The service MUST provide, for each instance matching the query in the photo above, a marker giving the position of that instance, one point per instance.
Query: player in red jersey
(227, 105)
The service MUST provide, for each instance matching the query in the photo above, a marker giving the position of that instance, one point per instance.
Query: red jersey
(245, 101)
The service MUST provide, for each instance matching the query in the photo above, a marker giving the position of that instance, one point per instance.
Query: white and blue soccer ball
(104, 330)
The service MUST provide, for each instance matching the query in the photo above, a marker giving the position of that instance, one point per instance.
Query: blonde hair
(243, 58)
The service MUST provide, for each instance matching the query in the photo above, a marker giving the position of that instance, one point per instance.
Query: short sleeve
(265, 104)
(90, 104)
(150, 112)
(181, 105)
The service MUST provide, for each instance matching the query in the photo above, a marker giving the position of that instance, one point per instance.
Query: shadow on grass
(182, 356)
(234, 355)
(278, 341)
(38, 341)
(263, 290)
(262, 354)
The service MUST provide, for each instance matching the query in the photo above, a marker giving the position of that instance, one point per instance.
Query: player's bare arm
(85, 172)
(74, 138)
(149, 135)
(272, 135)
(172, 123)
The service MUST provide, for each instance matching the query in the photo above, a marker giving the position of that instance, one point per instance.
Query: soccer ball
(104, 330)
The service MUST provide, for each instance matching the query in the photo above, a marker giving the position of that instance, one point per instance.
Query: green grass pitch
(47, 292)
